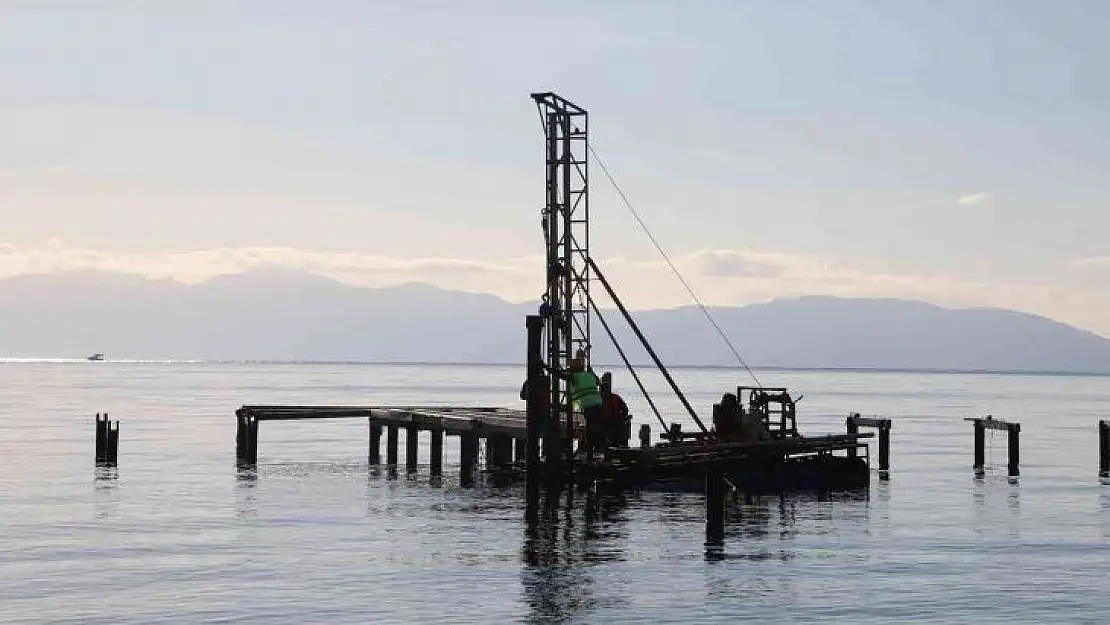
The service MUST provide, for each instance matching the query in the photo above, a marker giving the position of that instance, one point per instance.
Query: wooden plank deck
(478, 420)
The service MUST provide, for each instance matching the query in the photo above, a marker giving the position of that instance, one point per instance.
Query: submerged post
(1103, 448)
(374, 457)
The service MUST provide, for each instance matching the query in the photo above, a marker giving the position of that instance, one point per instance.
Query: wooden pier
(504, 430)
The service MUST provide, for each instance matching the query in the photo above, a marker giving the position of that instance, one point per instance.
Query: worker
(618, 420)
(583, 391)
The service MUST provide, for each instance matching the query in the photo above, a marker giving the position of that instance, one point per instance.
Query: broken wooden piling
(246, 438)
(1013, 433)
(107, 441)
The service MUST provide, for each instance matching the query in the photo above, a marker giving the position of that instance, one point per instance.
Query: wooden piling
(645, 436)
(1013, 440)
(1103, 449)
(468, 453)
(1013, 432)
(391, 445)
(437, 452)
(520, 450)
(374, 457)
(980, 446)
(852, 425)
(716, 503)
(107, 441)
(100, 437)
(412, 442)
(535, 389)
(499, 451)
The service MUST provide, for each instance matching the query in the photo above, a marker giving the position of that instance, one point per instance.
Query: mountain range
(277, 314)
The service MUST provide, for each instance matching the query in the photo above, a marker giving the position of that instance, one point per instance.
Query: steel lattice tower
(566, 225)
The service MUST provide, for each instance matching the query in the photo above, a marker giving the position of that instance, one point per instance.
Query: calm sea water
(178, 535)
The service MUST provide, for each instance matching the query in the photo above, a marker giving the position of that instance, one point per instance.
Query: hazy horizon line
(14, 360)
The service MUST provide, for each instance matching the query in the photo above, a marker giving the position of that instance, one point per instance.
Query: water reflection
(565, 537)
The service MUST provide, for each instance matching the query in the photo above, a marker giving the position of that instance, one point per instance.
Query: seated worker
(618, 420)
(583, 390)
(734, 425)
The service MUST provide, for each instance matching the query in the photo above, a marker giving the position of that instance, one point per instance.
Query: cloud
(1095, 262)
(716, 264)
(973, 199)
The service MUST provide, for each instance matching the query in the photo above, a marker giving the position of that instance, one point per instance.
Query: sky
(943, 150)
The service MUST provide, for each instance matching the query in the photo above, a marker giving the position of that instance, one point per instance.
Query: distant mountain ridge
(279, 314)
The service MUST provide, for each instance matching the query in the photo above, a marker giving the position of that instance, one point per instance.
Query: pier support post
(374, 457)
(520, 450)
(645, 436)
(391, 445)
(499, 451)
(1103, 448)
(980, 445)
(107, 441)
(852, 425)
(437, 452)
(412, 445)
(536, 388)
(468, 454)
(1013, 432)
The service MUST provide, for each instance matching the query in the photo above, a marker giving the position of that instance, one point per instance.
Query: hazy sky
(951, 151)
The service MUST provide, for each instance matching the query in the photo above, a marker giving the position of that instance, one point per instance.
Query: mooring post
(374, 457)
(1103, 448)
(437, 451)
(980, 444)
(716, 502)
(468, 453)
(1013, 431)
(391, 445)
(412, 442)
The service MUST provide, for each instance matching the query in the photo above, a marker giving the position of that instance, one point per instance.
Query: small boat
(96, 357)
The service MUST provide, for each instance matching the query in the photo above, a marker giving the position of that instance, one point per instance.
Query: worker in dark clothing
(617, 417)
(583, 392)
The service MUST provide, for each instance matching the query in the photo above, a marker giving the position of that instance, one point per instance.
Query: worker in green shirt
(583, 390)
